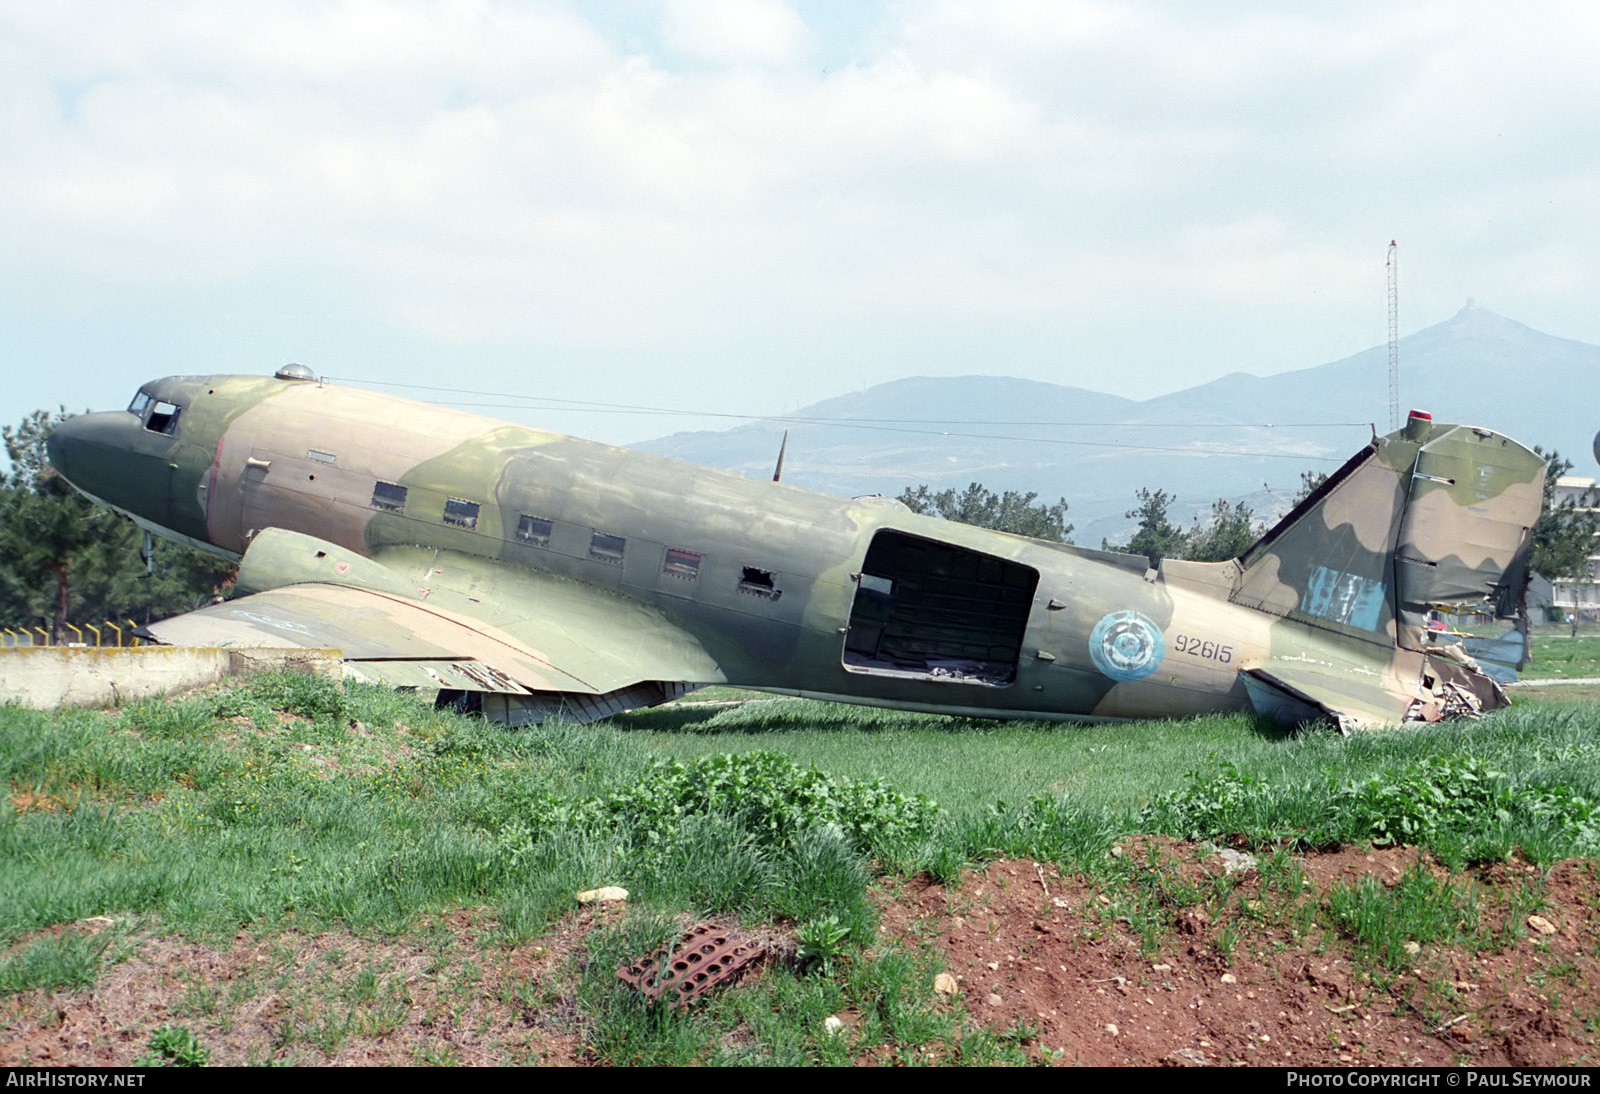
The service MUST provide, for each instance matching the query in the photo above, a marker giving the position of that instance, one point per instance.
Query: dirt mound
(1268, 966)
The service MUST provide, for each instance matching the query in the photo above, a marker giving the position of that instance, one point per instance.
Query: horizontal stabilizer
(1293, 694)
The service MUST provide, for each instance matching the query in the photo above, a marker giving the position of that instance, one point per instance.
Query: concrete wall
(45, 677)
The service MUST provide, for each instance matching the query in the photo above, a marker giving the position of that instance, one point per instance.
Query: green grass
(364, 808)
(68, 961)
(964, 764)
(292, 797)
(292, 801)
(1419, 909)
(1557, 657)
(987, 775)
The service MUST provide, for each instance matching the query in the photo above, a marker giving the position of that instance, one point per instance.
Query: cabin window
(606, 548)
(758, 582)
(684, 564)
(163, 418)
(140, 401)
(386, 495)
(534, 530)
(462, 514)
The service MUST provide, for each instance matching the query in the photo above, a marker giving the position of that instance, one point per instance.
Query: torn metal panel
(1497, 656)
(1456, 685)
(428, 675)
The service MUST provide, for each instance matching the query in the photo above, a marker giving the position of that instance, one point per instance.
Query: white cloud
(735, 32)
(985, 186)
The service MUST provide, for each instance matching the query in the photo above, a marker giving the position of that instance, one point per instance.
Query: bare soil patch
(1048, 957)
(1173, 963)
(444, 995)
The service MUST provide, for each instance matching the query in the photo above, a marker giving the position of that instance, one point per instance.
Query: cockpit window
(140, 401)
(163, 418)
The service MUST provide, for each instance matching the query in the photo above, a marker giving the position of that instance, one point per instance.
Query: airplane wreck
(540, 576)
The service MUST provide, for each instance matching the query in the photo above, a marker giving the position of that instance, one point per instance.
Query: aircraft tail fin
(1432, 516)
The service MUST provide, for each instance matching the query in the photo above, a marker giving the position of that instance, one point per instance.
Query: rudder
(1431, 516)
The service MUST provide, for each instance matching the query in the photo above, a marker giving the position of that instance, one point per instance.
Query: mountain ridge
(1201, 443)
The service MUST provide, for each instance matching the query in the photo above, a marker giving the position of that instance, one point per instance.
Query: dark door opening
(930, 610)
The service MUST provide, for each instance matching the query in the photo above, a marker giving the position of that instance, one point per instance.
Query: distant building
(1579, 594)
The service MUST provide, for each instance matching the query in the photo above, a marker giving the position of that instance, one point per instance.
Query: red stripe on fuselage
(211, 490)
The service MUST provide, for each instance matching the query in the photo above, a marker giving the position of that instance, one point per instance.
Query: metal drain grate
(706, 956)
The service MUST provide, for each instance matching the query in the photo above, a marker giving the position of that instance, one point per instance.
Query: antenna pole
(777, 472)
(1394, 337)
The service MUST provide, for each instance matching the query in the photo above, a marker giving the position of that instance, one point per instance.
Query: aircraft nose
(92, 451)
(64, 447)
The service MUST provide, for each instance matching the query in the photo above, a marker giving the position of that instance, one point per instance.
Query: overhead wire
(887, 425)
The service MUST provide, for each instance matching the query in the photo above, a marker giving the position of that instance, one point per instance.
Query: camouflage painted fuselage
(411, 535)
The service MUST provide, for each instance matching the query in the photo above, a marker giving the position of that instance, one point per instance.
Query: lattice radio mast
(1394, 337)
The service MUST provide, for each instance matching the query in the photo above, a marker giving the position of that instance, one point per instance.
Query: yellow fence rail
(107, 633)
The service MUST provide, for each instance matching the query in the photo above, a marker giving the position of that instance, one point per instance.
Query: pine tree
(1009, 512)
(63, 557)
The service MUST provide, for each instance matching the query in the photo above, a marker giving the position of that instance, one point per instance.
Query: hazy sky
(746, 205)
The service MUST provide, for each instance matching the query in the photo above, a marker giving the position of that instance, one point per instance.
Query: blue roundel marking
(1126, 645)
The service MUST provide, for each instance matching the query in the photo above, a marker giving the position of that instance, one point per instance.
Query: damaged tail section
(1433, 517)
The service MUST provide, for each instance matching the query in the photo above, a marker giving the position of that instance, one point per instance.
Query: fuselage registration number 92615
(1199, 647)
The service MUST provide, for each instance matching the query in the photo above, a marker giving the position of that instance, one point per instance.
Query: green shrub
(1458, 804)
(1221, 801)
(301, 693)
(820, 941)
(1429, 798)
(771, 796)
(173, 1046)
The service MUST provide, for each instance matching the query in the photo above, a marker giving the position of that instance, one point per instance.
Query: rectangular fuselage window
(534, 530)
(684, 564)
(606, 548)
(386, 495)
(462, 514)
